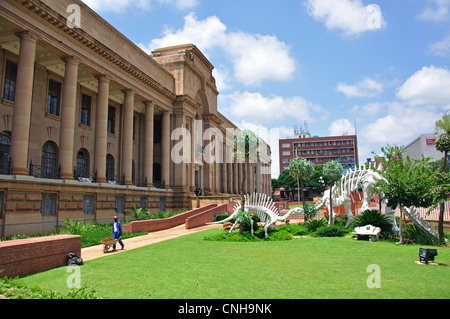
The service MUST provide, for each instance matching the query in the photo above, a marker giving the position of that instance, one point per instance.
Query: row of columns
(22, 115)
(226, 176)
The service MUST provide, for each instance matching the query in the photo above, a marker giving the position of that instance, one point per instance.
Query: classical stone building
(91, 125)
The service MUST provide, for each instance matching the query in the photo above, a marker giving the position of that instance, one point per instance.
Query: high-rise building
(318, 150)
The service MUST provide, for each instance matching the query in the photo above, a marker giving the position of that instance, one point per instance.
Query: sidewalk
(94, 252)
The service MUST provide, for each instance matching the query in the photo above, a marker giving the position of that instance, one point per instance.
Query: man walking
(117, 232)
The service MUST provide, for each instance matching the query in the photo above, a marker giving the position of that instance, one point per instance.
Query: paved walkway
(94, 252)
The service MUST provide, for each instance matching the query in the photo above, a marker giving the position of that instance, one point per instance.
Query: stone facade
(91, 125)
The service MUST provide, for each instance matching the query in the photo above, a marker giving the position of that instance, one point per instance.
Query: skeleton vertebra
(366, 178)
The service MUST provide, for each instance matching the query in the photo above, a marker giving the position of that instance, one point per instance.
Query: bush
(314, 224)
(375, 218)
(294, 229)
(220, 217)
(329, 231)
(417, 235)
(309, 211)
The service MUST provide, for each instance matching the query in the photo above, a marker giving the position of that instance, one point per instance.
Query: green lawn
(302, 268)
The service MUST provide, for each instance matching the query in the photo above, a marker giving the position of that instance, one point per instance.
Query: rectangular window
(85, 109)
(119, 204)
(286, 153)
(111, 119)
(48, 205)
(143, 202)
(10, 81)
(286, 146)
(2, 196)
(88, 204)
(54, 97)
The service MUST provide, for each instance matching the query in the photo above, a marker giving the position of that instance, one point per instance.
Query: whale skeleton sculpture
(366, 178)
(264, 207)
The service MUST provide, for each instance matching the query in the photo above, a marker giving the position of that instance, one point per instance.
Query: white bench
(368, 230)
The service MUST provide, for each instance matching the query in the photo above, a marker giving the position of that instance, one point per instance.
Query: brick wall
(28, 256)
(207, 216)
(166, 223)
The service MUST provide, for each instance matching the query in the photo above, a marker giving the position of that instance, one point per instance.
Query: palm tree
(443, 145)
(301, 169)
(332, 172)
(247, 144)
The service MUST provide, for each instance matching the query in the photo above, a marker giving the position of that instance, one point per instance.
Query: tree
(332, 172)
(443, 145)
(247, 144)
(301, 169)
(407, 182)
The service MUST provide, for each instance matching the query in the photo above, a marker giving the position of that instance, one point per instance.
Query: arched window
(5, 152)
(110, 168)
(82, 169)
(49, 162)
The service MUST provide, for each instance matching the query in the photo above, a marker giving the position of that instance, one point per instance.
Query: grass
(191, 267)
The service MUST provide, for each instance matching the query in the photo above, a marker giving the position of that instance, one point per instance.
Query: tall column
(101, 128)
(165, 149)
(148, 140)
(127, 144)
(68, 110)
(22, 106)
(236, 177)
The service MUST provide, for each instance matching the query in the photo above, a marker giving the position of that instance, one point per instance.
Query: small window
(2, 196)
(54, 97)
(111, 119)
(48, 205)
(119, 204)
(286, 145)
(86, 101)
(10, 81)
(88, 204)
(143, 202)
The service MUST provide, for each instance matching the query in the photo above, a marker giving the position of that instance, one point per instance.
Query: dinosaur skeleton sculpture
(265, 209)
(344, 192)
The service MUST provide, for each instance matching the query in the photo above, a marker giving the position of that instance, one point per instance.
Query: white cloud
(440, 48)
(262, 109)
(436, 11)
(351, 17)
(341, 127)
(252, 56)
(121, 5)
(400, 125)
(430, 85)
(365, 88)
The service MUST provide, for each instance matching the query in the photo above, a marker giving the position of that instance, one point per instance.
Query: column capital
(28, 34)
(103, 78)
(71, 59)
(149, 103)
(129, 92)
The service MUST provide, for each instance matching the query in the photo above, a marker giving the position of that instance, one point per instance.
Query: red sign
(430, 141)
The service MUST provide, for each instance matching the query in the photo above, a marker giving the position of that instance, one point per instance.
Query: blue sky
(380, 64)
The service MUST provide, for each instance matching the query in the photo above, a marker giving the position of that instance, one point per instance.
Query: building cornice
(50, 16)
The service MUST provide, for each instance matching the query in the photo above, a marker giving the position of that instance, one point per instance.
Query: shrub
(314, 224)
(294, 229)
(417, 235)
(329, 231)
(220, 217)
(309, 211)
(375, 218)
